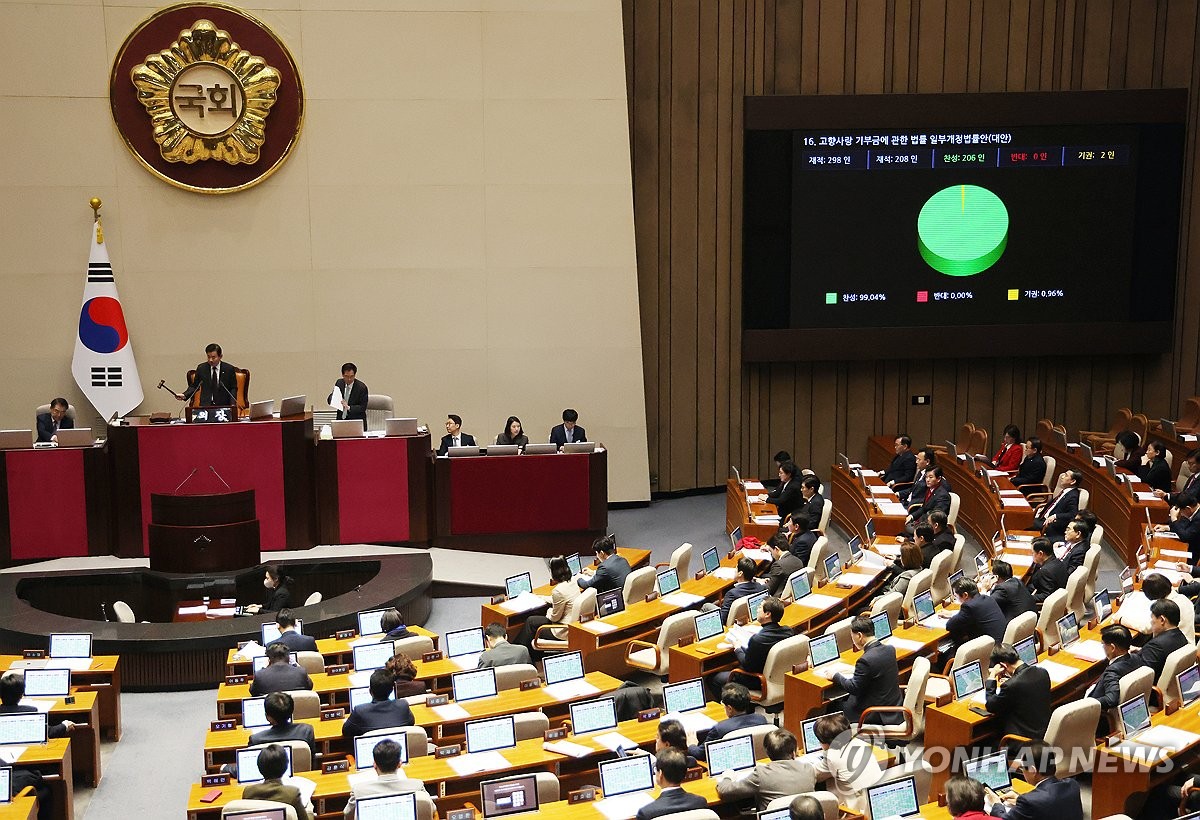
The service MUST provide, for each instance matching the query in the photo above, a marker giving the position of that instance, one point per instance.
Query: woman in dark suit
(512, 433)
(1156, 472)
(405, 674)
(276, 583)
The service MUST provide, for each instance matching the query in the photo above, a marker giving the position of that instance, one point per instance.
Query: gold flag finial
(96, 203)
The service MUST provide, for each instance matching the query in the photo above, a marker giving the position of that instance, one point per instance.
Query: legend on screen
(922, 296)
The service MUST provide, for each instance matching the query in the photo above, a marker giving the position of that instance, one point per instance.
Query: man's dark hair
(495, 630)
(1194, 455)
(963, 794)
(1039, 756)
(279, 707)
(59, 402)
(782, 456)
(387, 755)
(812, 482)
(606, 545)
(390, 620)
(965, 586)
(1129, 440)
(1035, 443)
(12, 688)
(779, 542)
(570, 415)
(1080, 527)
(938, 519)
(351, 366)
(1166, 608)
(1117, 635)
(802, 520)
(213, 348)
(1003, 653)
(863, 626)
(937, 471)
(1076, 475)
(930, 456)
(672, 733)
(277, 652)
(805, 807)
(905, 440)
(456, 419)
(1001, 569)
(1155, 586)
(382, 684)
(780, 744)
(1088, 517)
(736, 697)
(284, 618)
(790, 468)
(1043, 546)
(773, 607)
(924, 531)
(827, 728)
(747, 567)
(272, 762)
(673, 765)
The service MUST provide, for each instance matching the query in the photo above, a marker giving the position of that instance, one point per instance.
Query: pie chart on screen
(962, 230)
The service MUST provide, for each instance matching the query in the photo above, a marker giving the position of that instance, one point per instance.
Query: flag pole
(96, 203)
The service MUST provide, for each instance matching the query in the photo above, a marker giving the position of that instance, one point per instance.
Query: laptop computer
(982, 562)
(1026, 650)
(23, 728)
(509, 795)
(5, 784)
(924, 607)
(1142, 739)
(824, 655)
(247, 765)
(856, 549)
(540, 449)
(954, 576)
(347, 428)
(399, 427)
(737, 475)
(362, 694)
(473, 685)
(490, 734)
(579, 447)
(870, 528)
(262, 661)
(371, 656)
(883, 626)
(292, 406)
(1188, 679)
(626, 784)
(271, 631)
(709, 625)
(711, 559)
(1102, 603)
(402, 806)
(667, 581)
(968, 682)
(685, 702)
(461, 452)
(730, 755)
(364, 748)
(503, 450)
(991, 770)
(515, 585)
(800, 585)
(1068, 630)
(895, 799)
(70, 645)
(262, 409)
(735, 537)
(256, 814)
(1168, 428)
(75, 437)
(754, 603)
(464, 646)
(609, 603)
(833, 566)
(370, 622)
(16, 439)
(808, 736)
(574, 564)
(54, 683)
(254, 713)
(593, 716)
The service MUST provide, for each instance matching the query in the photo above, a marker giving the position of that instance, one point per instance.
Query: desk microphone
(104, 610)
(226, 389)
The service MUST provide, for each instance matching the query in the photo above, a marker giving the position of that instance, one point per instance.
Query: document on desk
(362, 678)
(1009, 501)
(39, 704)
(871, 560)
(887, 550)
(756, 555)
(880, 490)
(892, 508)
(693, 722)
(1012, 494)
(523, 603)
(477, 762)
(995, 473)
(566, 747)
(816, 600)
(1167, 737)
(451, 711)
(1146, 497)
(614, 740)
(867, 473)
(200, 609)
(1087, 650)
(725, 573)
(221, 611)
(250, 651)
(623, 806)
(598, 627)
(1188, 437)
(904, 645)
(1140, 752)
(766, 519)
(303, 785)
(570, 689)
(11, 754)
(1058, 672)
(855, 579)
(753, 485)
(682, 599)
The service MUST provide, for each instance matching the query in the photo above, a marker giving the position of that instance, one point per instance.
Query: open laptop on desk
(590, 716)
(610, 603)
(810, 746)
(292, 406)
(262, 409)
(16, 439)
(668, 585)
(22, 729)
(370, 622)
(626, 784)
(895, 799)
(400, 427)
(473, 685)
(360, 695)
(1189, 684)
(824, 654)
(926, 611)
(364, 749)
(75, 437)
(1068, 637)
(509, 795)
(271, 631)
(347, 428)
(256, 814)
(6, 784)
(968, 683)
(712, 565)
(565, 676)
(491, 735)
(709, 625)
(464, 646)
(684, 701)
(991, 770)
(401, 806)
(730, 755)
(1026, 650)
(1137, 731)
(463, 452)
(254, 713)
(53, 683)
(247, 765)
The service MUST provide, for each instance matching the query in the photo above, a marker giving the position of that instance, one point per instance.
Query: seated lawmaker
(1052, 517)
(739, 714)
(1050, 797)
(569, 431)
(272, 765)
(1191, 486)
(454, 437)
(289, 637)
(1018, 694)
(513, 434)
(906, 567)
(1166, 636)
(387, 779)
(1009, 593)
(564, 606)
(215, 381)
(279, 675)
(783, 775)
(612, 571)
(937, 497)
(814, 502)
(744, 584)
(279, 708)
(787, 497)
(12, 689)
(1131, 442)
(382, 712)
(1074, 546)
(915, 493)
(1009, 456)
(784, 562)
(1116, 640)
(943, 537)
(349, 395)
(1185, 522)
(672, 798)
(801, 536)
(876, 678)
(48, 424)
(904, 463)
(1032, 468)
(849, 763)
(1155, 471)
(1048, 573)
(752, 657)
(977, 615)
(499, 651)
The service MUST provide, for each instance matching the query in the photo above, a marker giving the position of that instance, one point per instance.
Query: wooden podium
(216, 532)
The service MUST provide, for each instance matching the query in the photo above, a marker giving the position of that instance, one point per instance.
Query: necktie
(456, 441)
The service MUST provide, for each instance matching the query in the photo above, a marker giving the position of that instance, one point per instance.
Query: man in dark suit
(1075, 545)
(739, 714)
(1018, 694)
(279, 675)
(672, 767)
(784, 563)
(787, 497)
(876, 679)
(612, 571)
(349, 395)
(942, 539)
(744, 584)
(288, 635)
(216, 381)
(454, 437)
(915, 493)
(1049, 573)
(279, 707)
(568, 431)
(1116, 640)
(12, 689)
(937, 497)
(272, 765)
(1052, 517)
(1032, 468)
(1012, 596)
(1167, 637)
(1191, 488)
(1050, 797)
(382, 712)
(904, 463)
(814, 502)
(800, 535)
(48, 424)
(977, 615)
(499, 651)
(752, 655)
(1185, 522)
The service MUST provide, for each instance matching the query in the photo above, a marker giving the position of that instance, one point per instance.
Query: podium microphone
(227, 393)
(186, 480)
(218, 475)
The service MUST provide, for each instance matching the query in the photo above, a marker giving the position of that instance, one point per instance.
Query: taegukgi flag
(103, 365)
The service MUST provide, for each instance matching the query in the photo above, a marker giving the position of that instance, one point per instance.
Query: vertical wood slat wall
(689, 65)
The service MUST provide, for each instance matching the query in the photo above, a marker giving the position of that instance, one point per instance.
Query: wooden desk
(103, 677)
(54, 762)
(932, 811)
(374, 490)
(740, 513)
(54, 503)
(85, 742)
(852, 507)
(334, 651)
(22, 807)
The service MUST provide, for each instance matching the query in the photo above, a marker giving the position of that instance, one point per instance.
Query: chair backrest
(45, 408)
(587, 602)
(681, 561)
(979, 440)
(826, 513)
(842, 630)
(1120, 421)
(379, 409)
(1189, 416)
(1085, 498)
(510, 676)
(976, 649)
(549, 790)
(828, 800)
(1140, 424)
(889, 603)
(305, 703)
(674, 627)
(939, 584)
(914, 693)
(415, 737)
(124, 612)
(1048, 476)
(821, 550)
(955, 503)
(1176, 662)
(1072, 731)
(528, 725)
(739, 610)
(1132, 684)
(960, 544)
(314, 598)
(1053, 608)
(241, 804)
(1021, 627)
(758, 734)
(301, 754)
(414, 646)
(241, 390)
(780, 660)
(917, 768)
(786, 595)
(1097, 536)
(310, 662)
(1076, 587)
(920, 582)
(963, 442)
(639, 584)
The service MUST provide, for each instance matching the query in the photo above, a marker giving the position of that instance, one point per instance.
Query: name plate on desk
(437, 700)
(651, 596)
(552, 735)
(699, 574)
(584, 618)
(210, 780)
(337, 669)
(461, 814)
(222, 725)
(686, 640)
(448, 751)
(430, 657)
(344, 634)
(649, 714)
(797, 668)
(532, 683)
(581, 796)
(236, 680)
(498, 599)
(694, 773)
(335, 766)
(33, 653)
(333, 714)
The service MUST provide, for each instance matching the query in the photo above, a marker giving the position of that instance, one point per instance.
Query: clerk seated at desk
(278, 595)
(279, 675)
(800, 535)
(787, 497)
(48, 424)
(744, 584)
(289, 637)
(569, 431)
(612, 571)
(272, 765)
(1156, 472)
(454, 437)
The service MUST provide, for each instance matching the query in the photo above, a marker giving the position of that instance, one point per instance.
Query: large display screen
(1042, 223)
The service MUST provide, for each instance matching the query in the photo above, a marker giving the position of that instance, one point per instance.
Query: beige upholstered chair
(821, 550)
(1138, 682)
(414, 646)
(639, 584)
(314, 598)
(786, 594)
(1021, 627)
(241, 804)
(691, 814)
(415, 738)
(841, 628)
(960, 544)
(528, 725)
(912, 710)
(124, 612)
(921, 582)
(305, 704)
(758, 734)
(941, 568)
(1072, 731)
(510, 676)
(379, 409)
(1076, 589)
(976, 649)
(549, 790)
(1167, 687)
(310, 662)
(889, 603)
(1053, 608)
(826, 514)
(681, 562)
(655, 658)
(1091, 562)
(955, 503)
(301, 754)
(545, 640)
(780, 660)
(917, 768)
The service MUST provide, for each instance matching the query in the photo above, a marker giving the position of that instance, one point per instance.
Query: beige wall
(457, 218)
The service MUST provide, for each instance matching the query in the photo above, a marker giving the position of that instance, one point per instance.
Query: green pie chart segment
(962, 230)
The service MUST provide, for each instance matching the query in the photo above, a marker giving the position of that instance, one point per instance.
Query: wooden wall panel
(690, 65)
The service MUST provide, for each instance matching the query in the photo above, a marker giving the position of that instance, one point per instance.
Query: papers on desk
(1011, 494)
(855, 579)
(753, 485)
(225, 612)
(1174, 576)
(875, 490)
(1167, 534)
(624, 806)
(682, 599)
(828, 670)
(38, 704)
(871, 560)
(467, 661)
(477, 762)
(756, 555)
(1177, 555)
(935, 621)
(735, 775)
(725, 573)
(904, 645)
(1188, 437)
(892, 508)
(74, 664)
(816, 600)
(1141, 752)
(360, 678)
(523, 603)
(614, 740)
(995, 473)
(1098, 461)
(10, 754)
(570, 689)
(1146, 496)
(598, 627)
(567, 748)
(693, 722)
(867, 473)
(1058, 672)
(1024, 539)
(1010, 501)
(367, 639)
(740, 635)
(1167, 565)
(451, 711)
(888, 550)
(1087, 650)
(303, 785)
(1167, 737)
(250, 651)
(766, 519)
(199, 609)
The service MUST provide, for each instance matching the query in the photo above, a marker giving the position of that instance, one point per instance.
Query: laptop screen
(824, 649)
(1103, 604)
(254, 713)
(515, 585)
(856, 548)
(775, 814)
(968, 680)
(809, 732)
(610, 603)
(23, 727)
(1068, 630)
(711, 560)
(261, 662)
(369, 622)
(509, 795)
(668, 581)
(1027, 650)
(564, 667)
(464, 642)
(981, 561)
(490, 734)
(870, 528)
(923, 603)
(478, 683)
(709, 624)
(733, 754)
(735, 537)
(402, 806)
(6, 784)
(883, 625)
(1189, 683)
(1135, 715)
(895, 799)
(271, 631)
(801, 586)
(626, 775)
(256, 814)
(371, 656)
(364, 748)
(247, 765)
(593, 716)
(47, 682)
(573, 564)
(73, 645)
(685, 696)
(362, 694)
(833, 566)
(755, 603)
(954, 576)
(990, 770)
